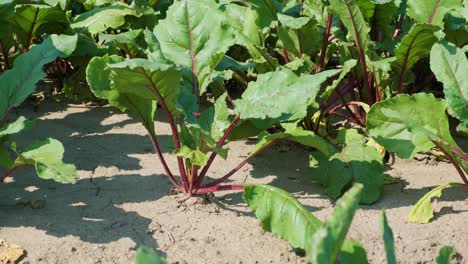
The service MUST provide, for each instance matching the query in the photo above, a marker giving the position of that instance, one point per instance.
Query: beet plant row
(353, 81)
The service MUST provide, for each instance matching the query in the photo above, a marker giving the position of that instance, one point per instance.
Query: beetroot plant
(185, 54)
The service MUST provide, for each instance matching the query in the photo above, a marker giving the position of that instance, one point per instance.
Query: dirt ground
(122, 201)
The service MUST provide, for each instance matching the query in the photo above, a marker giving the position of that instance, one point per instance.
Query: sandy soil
(122, 201)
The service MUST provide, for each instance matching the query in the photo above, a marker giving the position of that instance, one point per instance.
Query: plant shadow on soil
(88, 209)
(83, 133)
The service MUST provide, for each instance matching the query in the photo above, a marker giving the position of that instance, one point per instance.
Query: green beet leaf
(304, 137)
(413, 47)
(282, 214)
(16, 127)
(357, 162)
(450, 67)
(33, 20)
(47, 157)
(403, 125)
(100, 19)
(353, 19)
(445, 253)
(98, 75)
(422, 211)
(196, 157)
(145, 255)
(203, 35)
(352, 252)
(326, 242)
(19, 82)
(389, 242)
(280, 95)
(431, 11)
(143, 78)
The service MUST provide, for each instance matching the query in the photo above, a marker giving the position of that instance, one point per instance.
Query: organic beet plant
(185, 54)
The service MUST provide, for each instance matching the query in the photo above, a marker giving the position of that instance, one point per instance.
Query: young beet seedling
(183, 55)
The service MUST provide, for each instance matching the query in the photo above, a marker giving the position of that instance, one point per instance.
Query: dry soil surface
(122, 200)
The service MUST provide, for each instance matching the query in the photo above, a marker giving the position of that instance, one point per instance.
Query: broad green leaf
(450, 66)
(347, 67)
(293, 22)
(145, 255)
(98, 76)
(130, 42)
(33, 20)
(431, 11)
(382, 23)
(195, 35)
(16, 127)
(350, 14)
(154, 52)
(327, 241)
(317, 9)
(357, 162)
(299, 36)
(101, 18)
(215, 120)
(194, 156)
(87, 47)
(282, 214)
(403, 125)
(19, 82)
(47, 157)
(456, 26)
(248, 34)
(280, 95)
(140, 77)
(445, 253)
(267, 12)
(352, 252)
(61, 3)
(414, 46)
(304, 137)
(389, 242)
(422, 211)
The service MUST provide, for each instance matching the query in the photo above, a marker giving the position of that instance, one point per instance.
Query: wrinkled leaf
(450, 66)
(100, 19)
(402, 125)
(280, 95)
(431, 11)
(202, 36)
